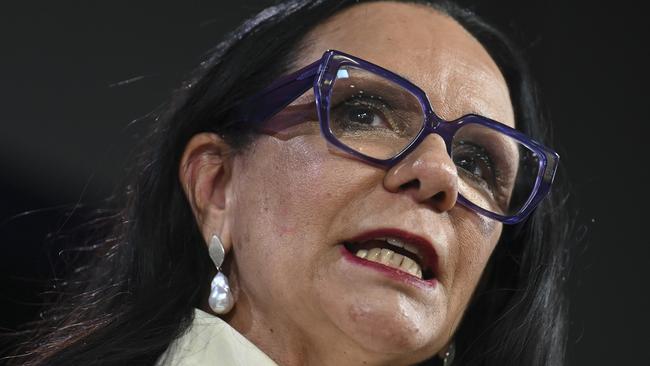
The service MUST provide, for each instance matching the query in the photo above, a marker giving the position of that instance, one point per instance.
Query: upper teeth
(401, 244)
(392, 259)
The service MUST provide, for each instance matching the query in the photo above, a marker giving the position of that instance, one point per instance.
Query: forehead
(423, 45)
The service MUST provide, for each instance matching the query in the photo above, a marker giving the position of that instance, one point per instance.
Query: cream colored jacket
(211, 341)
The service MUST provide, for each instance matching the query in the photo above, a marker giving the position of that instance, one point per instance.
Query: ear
(205, 171)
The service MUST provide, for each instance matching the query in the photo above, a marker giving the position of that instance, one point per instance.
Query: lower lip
(389, 271)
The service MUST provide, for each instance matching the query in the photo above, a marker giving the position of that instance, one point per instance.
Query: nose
(427, 174)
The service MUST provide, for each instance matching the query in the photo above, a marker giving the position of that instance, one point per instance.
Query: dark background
(75, 74)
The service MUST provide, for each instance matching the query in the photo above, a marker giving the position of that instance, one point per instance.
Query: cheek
(477, 238)
(286, 195)
(298, 187)
(268, 181)
(285, 183)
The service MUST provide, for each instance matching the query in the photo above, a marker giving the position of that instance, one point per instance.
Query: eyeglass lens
(379, 118)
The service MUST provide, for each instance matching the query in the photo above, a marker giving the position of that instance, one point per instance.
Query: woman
(303, 201)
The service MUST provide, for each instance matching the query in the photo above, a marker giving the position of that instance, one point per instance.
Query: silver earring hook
(217, 251)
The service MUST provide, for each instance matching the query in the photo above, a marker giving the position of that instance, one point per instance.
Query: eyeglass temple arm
(272, 99)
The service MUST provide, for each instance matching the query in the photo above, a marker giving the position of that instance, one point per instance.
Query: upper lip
(424, 246)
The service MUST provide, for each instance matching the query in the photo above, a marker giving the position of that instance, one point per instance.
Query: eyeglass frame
(320, 75)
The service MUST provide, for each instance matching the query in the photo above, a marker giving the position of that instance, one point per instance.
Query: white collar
(211, 341)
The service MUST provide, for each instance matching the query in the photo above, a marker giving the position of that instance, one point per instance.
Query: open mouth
(398, 253)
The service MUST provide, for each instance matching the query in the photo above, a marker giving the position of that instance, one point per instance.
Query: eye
(365, 116)
(372, 114)
(364, 112)
(475, 163)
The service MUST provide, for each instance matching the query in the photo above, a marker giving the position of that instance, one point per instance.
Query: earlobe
(204, 173)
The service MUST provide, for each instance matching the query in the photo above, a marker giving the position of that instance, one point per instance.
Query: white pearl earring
(221, 299)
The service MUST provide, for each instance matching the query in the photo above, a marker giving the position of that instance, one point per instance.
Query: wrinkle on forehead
(423, 45)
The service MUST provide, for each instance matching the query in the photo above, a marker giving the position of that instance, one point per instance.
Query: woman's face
(291, 203)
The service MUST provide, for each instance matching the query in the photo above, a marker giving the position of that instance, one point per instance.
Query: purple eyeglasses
(379, 117)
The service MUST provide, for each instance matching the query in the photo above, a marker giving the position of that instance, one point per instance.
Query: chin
(393, 326)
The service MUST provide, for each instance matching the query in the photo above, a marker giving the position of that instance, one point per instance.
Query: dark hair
(152, 249)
